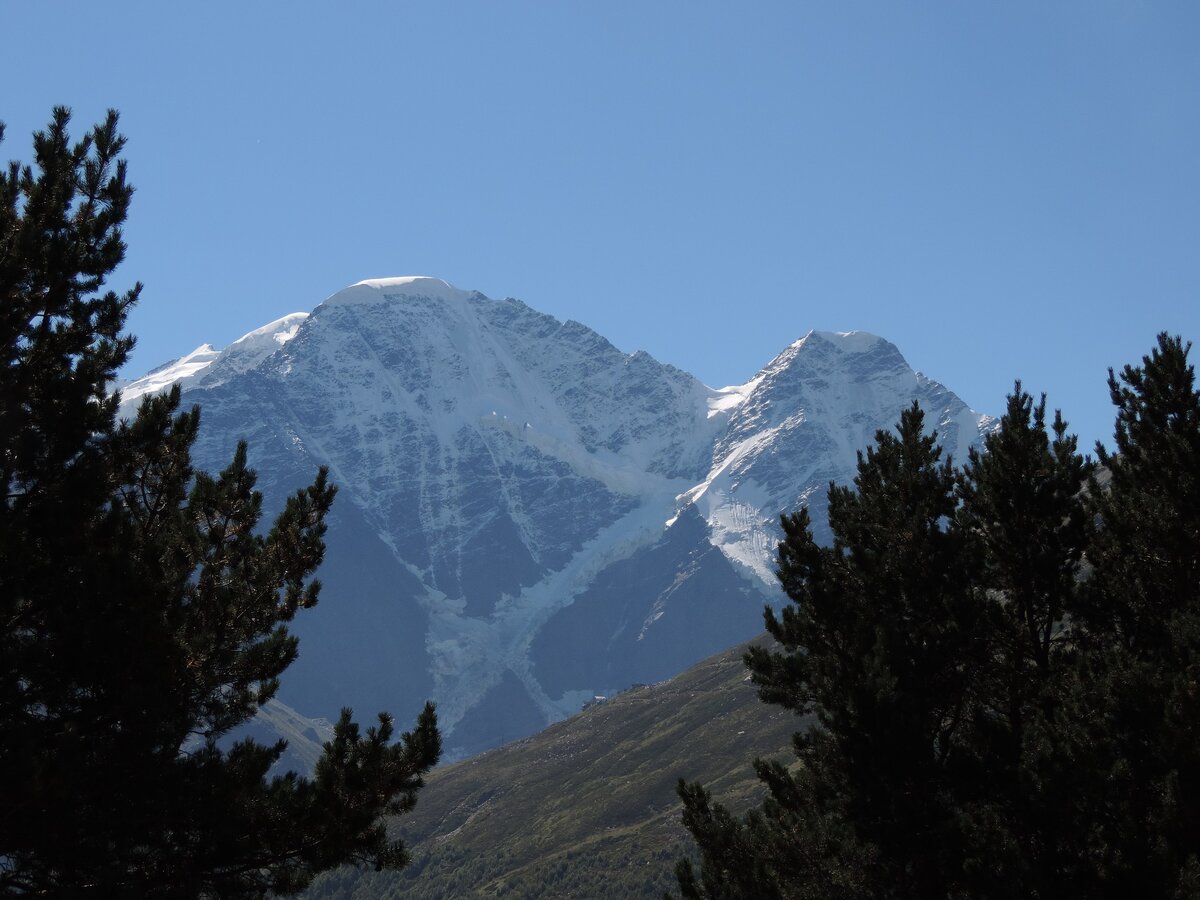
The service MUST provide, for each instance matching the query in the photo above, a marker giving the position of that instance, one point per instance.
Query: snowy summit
(375, 290)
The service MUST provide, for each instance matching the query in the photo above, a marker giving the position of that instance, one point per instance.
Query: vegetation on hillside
(142, 611)
(1003, 668)
(586, 808)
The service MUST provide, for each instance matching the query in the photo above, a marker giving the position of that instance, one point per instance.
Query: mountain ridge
(525, 511)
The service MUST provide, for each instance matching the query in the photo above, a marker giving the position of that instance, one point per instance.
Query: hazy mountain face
(526, 515)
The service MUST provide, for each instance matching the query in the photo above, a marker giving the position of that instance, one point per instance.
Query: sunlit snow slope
(528, 516)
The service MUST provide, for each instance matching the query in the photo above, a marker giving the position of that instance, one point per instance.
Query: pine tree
(142, 611)
(1004, 680)
(880, 644)
(1139, 626)
(1022, 503)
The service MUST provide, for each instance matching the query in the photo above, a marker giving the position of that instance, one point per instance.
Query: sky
(1002, 189)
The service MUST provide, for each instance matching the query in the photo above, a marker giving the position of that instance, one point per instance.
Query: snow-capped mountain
(528, 516)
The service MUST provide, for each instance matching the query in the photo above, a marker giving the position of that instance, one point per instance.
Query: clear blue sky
(1004, 189)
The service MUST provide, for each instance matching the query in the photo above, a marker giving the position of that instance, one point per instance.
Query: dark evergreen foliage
(1022, 508)
(1003, 664)
(142, 612)
(1140, 632)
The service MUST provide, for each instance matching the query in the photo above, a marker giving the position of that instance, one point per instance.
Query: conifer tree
(1003, 680)
(1021, 503)
(879, 645)
(142, 611)
(1139, 629)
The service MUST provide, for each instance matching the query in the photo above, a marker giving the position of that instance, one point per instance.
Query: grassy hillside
(586, 808)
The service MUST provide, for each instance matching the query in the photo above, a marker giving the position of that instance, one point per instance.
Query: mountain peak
(375, 290)
(529, 516)
(847, 341)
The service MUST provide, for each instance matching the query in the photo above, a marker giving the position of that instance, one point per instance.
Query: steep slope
(791, 430)
(209, 366)
(586, 808)
(800, 425)
(528, 516)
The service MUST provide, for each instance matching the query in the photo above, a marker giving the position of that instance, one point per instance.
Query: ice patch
(241, 356)
(158, 380)
(378, 290)
(850, 341)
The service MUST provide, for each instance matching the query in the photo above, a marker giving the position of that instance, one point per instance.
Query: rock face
(526, 515)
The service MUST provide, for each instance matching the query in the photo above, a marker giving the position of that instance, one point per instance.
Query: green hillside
(586, 808)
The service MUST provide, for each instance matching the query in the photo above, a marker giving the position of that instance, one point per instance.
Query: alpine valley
(527, 517)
